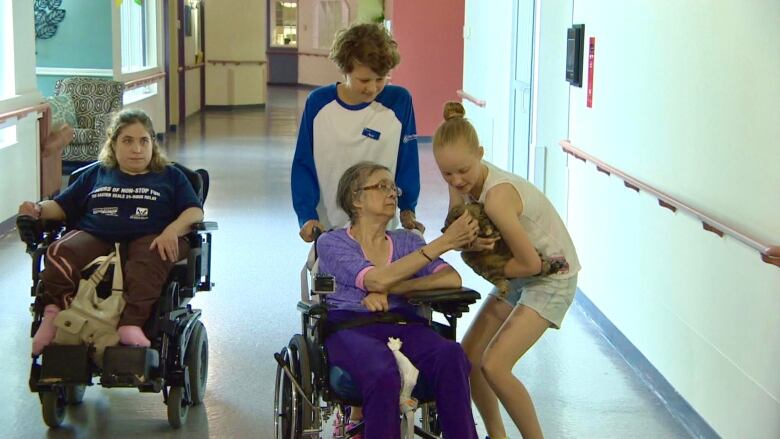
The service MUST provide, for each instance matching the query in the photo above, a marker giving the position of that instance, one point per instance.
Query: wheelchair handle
(297, 386)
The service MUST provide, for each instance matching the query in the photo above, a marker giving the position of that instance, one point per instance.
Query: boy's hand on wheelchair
(409, 221)
(376, 302)
(167, 244)
(307, 231)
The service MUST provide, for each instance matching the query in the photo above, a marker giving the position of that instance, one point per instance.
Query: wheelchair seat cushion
(344, 387)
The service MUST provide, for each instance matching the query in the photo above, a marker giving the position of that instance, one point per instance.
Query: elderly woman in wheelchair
(373, 272)
(135, 197)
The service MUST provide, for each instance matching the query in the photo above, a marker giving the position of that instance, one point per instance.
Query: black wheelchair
(176, 364)
(308, 391)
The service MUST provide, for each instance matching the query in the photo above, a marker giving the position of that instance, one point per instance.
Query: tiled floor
(581, 387)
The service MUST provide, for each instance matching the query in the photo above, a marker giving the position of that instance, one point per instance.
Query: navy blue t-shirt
(115, 206)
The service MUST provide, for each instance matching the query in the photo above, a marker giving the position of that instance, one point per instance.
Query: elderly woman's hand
(481, 244)
(376, 302)
(167, 244)
(462, 232)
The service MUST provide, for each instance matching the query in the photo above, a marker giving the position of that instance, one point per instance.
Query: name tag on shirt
(371, 134)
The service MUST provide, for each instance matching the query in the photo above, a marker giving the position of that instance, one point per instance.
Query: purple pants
(364, 354)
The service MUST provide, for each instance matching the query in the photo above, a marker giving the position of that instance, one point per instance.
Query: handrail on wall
(769, 254)
(478, 102)
(321, 55)
(22, 112)
(191, 67)
(140, 82)
(236, 62)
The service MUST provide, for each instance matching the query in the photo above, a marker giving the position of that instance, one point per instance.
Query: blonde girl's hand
(167, 244)
(462, 232)
(376, 302)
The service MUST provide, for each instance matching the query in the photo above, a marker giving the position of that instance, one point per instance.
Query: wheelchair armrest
(205, 226)
(31, 230)
(465, 296)
(450, 302)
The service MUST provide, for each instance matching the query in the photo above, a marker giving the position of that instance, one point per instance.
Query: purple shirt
(341, 256)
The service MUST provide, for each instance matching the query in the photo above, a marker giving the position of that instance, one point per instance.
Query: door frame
(526, 169)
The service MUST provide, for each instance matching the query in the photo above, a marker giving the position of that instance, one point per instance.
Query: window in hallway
(284, 26)
(331, 16)
(138, 30)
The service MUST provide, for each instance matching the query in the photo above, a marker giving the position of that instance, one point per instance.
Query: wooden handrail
(321, 55)
(140, 82)
(236, 62)
(769, 254)
(478, 102)
(22, 112)
(191, 67)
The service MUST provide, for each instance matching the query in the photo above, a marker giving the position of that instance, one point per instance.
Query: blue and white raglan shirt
(334, 135)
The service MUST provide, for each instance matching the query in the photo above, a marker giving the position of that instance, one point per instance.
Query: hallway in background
(581, 386)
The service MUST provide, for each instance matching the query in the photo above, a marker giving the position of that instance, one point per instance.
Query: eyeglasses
(385, 188)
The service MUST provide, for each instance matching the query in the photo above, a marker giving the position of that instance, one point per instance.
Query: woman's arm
(525, 261)
(45, 210)
(445, 278)
(183, 224)
(167, 242)
(460, 233)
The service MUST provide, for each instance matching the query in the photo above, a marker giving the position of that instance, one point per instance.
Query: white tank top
(540, 220)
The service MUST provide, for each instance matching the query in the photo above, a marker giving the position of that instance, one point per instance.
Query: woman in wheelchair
(373, 269)
(135, 197)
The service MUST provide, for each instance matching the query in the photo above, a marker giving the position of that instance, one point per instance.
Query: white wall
(685, 98)
(487, 72)
(236, 30)
(19, 163)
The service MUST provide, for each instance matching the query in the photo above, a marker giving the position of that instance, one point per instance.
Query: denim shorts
(550, 297)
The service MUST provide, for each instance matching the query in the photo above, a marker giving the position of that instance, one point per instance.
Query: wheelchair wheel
(292, 415)
(283, 400)
(197, 361)
(177, 407)
(74, 393)
(299, 356)
(53, 407)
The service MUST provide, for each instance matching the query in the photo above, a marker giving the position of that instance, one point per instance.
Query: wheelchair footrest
(65, 365)
(127, 366)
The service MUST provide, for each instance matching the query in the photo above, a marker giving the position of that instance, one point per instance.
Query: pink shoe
(133, 336)
(46, 332)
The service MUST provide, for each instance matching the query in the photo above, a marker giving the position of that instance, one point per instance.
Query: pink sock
(45, 333)
(133, 336)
